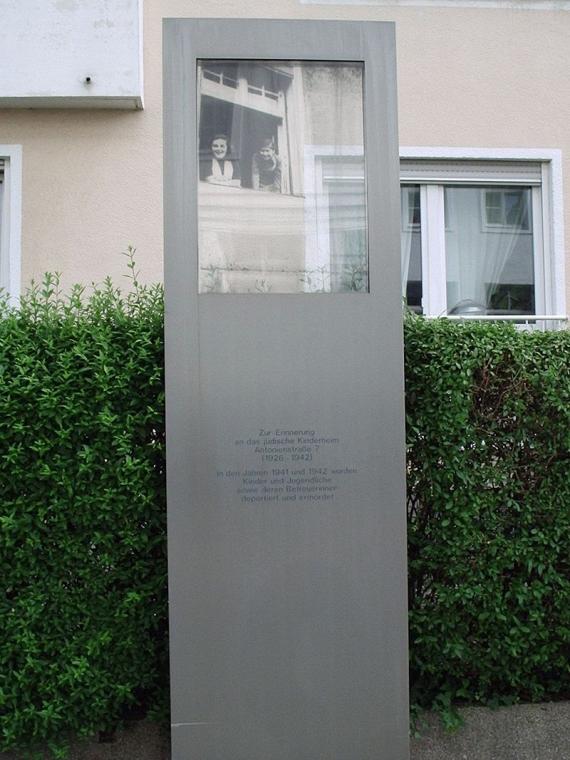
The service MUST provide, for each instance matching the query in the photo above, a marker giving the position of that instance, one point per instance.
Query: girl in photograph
(218, 168)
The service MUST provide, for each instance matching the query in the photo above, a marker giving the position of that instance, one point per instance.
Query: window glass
(411, 246)
(489, 250)
(4, 261)
(1, 202)
(281, 195)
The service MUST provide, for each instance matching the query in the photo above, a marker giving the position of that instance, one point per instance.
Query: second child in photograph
(266, 168)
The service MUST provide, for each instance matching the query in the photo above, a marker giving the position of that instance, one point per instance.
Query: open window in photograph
(282, 193)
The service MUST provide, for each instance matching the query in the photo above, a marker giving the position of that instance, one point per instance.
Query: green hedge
(82, 555)
(488, 433)
(82, 520)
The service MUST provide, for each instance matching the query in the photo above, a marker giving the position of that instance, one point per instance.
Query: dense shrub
(488, 431)
(82, 516)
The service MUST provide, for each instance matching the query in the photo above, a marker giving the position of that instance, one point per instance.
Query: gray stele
(288, 628)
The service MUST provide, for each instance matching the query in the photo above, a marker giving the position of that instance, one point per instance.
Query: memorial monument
(285, 413)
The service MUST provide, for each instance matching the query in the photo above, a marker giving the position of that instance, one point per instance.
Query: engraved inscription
(286, 465)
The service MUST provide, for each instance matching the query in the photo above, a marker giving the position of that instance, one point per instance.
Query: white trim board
(11, 230)
(519, 5)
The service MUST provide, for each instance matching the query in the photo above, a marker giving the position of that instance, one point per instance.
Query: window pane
(493, 207)
(222, 73)
(281, 195)
(411, 249)
(489, 250)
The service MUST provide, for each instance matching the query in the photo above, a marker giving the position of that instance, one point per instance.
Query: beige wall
(468, 77)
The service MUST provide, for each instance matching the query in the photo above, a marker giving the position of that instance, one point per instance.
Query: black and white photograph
(282, 194)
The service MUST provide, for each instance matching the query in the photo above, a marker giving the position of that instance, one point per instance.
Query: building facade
(484, 109)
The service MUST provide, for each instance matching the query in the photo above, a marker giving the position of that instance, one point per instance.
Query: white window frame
(548, 221)
(316, 202)
(11, 226)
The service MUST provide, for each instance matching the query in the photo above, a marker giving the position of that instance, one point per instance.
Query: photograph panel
(282, 192)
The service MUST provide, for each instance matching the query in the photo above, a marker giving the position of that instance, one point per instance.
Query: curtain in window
(410, 246)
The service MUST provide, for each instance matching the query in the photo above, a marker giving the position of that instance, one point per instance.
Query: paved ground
(140, 741)
(524, 732)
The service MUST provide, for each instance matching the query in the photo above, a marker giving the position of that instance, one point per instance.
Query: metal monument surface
(285, 422)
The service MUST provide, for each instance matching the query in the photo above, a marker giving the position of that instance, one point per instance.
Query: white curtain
(409, 235)
(405, 251)
(3, 214)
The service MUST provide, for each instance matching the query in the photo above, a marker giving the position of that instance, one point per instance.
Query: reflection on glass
(489, 250)
(281, 201)
(411, 247)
